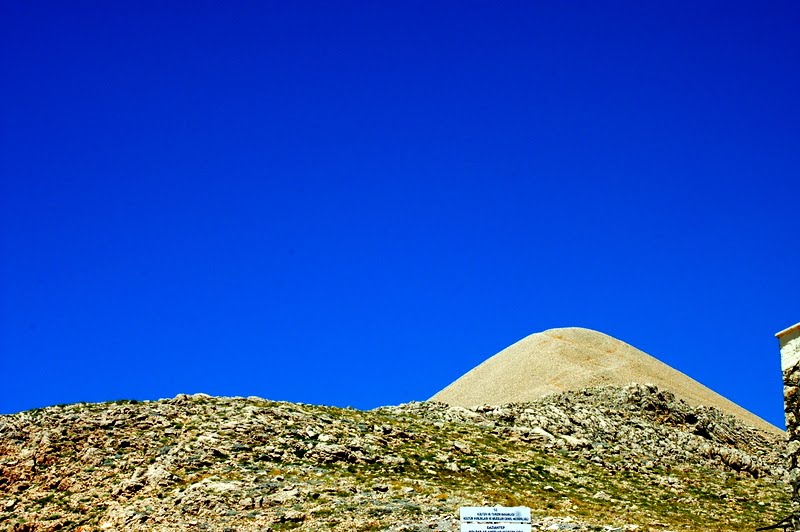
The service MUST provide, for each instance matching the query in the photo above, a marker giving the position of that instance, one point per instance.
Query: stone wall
(790, 364)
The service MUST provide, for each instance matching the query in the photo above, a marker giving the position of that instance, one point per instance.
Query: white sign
(495, 527)
(495, 514)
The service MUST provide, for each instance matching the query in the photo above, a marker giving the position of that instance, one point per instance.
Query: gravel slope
(574, 358)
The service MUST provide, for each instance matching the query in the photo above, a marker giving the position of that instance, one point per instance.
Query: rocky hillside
(613, 458)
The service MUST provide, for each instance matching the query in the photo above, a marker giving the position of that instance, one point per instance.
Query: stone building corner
(790, 365)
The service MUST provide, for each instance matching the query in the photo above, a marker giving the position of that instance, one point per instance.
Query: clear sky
(354, 203)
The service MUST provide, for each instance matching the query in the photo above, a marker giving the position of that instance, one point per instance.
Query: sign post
(495, 519)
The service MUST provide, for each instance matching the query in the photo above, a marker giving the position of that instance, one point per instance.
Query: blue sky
(354, 203)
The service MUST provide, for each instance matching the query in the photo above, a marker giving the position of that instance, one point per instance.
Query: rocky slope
(611, 458)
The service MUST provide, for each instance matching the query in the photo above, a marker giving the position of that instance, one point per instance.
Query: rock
(286, 495)
(463, 448)
(158, 476)
(292, 516)
(542, 434)
(327, 453)
(575, 443)
(393, 460)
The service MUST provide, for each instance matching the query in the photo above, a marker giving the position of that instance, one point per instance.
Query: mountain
(574, 358)
(614, 458)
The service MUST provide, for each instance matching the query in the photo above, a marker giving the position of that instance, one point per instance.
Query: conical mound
(574, 358)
